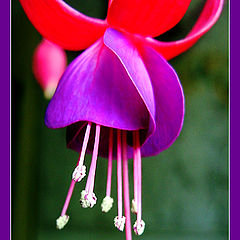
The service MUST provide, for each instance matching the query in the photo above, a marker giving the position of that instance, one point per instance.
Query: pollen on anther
(79, 173)
(62, 221)
(139, 227)
(88, 199)
(119, 222)
(134, 207)
(107, 204)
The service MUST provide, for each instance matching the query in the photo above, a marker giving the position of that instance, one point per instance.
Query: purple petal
(129, 56)
(110, 85)
(159, 87)
(96, 88)
(169, 100)
(136, 80)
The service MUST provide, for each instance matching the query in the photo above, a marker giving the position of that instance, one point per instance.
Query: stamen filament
(135, 176)
(139, 177)
(119, 173)
(91, 175)
(126, 188)
(84, 146)
(70, 191)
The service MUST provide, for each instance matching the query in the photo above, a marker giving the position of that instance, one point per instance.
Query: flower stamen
(80, 171)
(88, 198)
(139, 224)
(63, 219)
(119, 221)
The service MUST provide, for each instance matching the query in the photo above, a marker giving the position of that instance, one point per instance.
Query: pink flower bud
(49, 63)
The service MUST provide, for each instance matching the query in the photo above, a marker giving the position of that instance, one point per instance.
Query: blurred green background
(185, 188)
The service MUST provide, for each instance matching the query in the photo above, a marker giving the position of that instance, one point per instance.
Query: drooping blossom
(119, 99)
(49, 63)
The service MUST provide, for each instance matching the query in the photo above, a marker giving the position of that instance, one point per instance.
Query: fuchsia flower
(120, 98)
(49, 63)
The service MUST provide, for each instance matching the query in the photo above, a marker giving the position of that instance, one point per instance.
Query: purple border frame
(234, 120)
(5, 120)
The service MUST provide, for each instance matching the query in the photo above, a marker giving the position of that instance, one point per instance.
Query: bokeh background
(185, 188)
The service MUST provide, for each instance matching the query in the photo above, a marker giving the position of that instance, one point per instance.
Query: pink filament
(137, 165)
(70, 191)
(135, 177)
(139, 178)
(80, 161)
(126, 188)
(85, 142)
(119, 172)
(91, 175)
(110, 154)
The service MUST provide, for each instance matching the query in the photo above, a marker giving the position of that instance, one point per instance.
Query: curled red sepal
(207, 19)
(61, 24)
(146, 17)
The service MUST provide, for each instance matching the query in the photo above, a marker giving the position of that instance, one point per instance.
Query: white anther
(134, 207)
(62, 221)
(139, 227)
(119, 222)
(79, 173)
(88, 199)
(107, 204)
